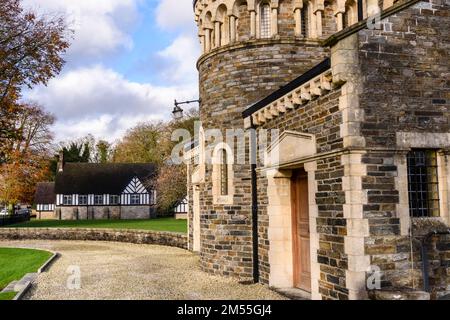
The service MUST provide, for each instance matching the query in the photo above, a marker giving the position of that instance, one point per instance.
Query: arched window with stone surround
(305, 21)
(223, 173)
(265, 20)
(221, 26)
(209, 35)
(351, 13)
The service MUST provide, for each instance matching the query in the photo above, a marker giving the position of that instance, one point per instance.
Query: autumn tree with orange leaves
(26, 158)
(31, 49)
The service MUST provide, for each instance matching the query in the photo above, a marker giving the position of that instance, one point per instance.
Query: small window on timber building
(82, 200)
(135, 199)
(67, 200)
(224, 173)
(98, 200)
(265, 21)
(423, 187)
(114, 200)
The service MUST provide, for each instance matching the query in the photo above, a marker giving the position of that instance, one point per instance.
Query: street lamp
(177, 111)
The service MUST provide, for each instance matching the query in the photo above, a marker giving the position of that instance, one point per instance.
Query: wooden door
(300, 228)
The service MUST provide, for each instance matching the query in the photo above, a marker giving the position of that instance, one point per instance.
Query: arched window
(221, 26)
(265, 20)
(304, 15)
(351, 13)
(223, 173)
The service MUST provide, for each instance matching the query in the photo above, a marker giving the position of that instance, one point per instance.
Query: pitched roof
(45, 193)
(93, 178)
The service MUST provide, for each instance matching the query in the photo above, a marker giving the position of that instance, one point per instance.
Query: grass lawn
(7, 296)
(160, 224)
(15, 263)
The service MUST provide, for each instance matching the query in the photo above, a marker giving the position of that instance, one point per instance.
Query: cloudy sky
(127, 63)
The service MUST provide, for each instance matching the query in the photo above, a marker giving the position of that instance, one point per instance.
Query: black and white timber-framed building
(87, 191)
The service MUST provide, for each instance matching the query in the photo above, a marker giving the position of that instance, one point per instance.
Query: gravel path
(135, 272)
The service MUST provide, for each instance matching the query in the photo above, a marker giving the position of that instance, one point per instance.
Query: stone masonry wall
(321, 118)
(231, 79)
(104, 212)
(406, 89)
(132, 236)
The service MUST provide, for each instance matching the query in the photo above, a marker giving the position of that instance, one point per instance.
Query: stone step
(10, 287)
(24, 282)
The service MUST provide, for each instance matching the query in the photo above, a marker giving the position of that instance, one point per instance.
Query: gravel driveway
(129, 271)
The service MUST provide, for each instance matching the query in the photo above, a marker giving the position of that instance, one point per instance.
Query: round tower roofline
(193, 3)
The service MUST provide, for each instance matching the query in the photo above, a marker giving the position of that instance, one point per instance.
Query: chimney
(61, 161)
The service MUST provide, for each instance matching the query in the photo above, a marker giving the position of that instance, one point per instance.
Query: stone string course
(170, 239)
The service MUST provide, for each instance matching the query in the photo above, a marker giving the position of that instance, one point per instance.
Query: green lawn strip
(160, 224)
(15, 263)
(7, 295)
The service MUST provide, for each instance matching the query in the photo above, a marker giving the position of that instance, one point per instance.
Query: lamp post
(177, 111)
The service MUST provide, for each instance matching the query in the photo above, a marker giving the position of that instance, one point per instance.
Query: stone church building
(353, 194)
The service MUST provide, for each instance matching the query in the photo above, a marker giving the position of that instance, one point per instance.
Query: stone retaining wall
(170, 239)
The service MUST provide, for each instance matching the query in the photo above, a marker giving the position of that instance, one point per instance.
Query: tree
(170, 187)
(8, 117)
(141, 144)
(103, 151)
(33, 125)
(31, 49)
(151, 142)
(77, 151)
(19, 177)
(73, 151)
(26, 154)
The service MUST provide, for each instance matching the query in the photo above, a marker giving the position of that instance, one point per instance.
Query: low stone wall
(170, 239)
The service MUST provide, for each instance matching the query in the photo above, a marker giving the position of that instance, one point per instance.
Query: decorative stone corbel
(326, 82)
(305, 94)
(316, 89)
(261, 117)
(289, 105)
(296, 98)
(268, 114)
(274, 110)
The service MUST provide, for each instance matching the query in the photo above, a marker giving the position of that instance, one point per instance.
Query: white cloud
(101, 26)
(100, 101)
(178, 60)
(175, 14)
(91, 98)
